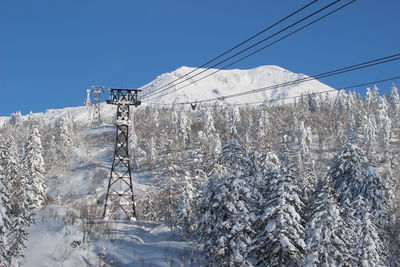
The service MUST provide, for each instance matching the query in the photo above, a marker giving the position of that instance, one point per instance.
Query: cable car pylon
(120, 201)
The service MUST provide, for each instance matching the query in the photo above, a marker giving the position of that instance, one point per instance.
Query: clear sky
(52, 50)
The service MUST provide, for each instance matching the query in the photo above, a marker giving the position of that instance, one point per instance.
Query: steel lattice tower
(95, 116)
(120, 200)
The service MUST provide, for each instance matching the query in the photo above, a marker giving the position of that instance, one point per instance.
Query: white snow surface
(227, 82)
(130, 243)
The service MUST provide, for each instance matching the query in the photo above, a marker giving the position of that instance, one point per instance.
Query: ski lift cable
(322, 92)
(302, 95)
(248, 48)
(306, 79)
(238, 45)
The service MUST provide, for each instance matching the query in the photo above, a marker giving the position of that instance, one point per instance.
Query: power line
(306, 79)
(256, 51)
(303, 95)
(240, 44)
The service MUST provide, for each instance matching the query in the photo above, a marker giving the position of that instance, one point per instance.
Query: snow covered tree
(185, 205)
(65, 133)
(21, 200)
(304, 140)
(182, 127)
(234, 120)
(326, 240)
(280, 238)
(369, 246)
(394, 101)
(351, 175)
(383, 123)
(370, 133)
(36, 170)
(152, 151)
(352, 130)
(5, 222)
(225, 226)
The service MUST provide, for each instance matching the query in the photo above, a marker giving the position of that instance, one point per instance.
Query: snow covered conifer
(383, 123)
(226, 206)
(185, 205)
(326, 235)
(280, 236)
(35, 164)
(5, 222)
(370, 133)
(21, 200)
(65, 132)
(394, 101)
(234, 120)
(351, 175)
(369, 246)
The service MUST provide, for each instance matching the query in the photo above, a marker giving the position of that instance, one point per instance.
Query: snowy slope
(84, 181)
(227, 82)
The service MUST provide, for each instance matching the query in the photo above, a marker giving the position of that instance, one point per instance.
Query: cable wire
(302, 95)
(306, 79)
(241, 43)
(258, 50)
(246, 49)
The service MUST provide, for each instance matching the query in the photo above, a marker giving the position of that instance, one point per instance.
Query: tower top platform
(123, 96)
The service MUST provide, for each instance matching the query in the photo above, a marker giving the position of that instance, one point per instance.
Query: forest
(312, 182)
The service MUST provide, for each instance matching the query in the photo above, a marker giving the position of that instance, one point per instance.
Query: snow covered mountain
(227, 82)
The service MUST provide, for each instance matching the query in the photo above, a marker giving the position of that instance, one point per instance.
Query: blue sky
(51, 51)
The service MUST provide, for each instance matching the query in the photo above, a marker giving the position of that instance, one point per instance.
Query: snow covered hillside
(227, 82)
(224, 185)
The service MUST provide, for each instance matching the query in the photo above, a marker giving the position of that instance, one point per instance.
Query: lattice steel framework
(87, 100)
(95, 115)
(120, 200)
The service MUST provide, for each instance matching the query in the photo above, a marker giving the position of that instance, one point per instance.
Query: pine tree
(280, 238)
(225, 226)
(369, 245)
(152, 152)
(65, 132)
(384, 123)
(370, 133)
(185, 205)
(21, 200)
(36, 170)
(326, 236)
(234, 120)
(351, 175)
(5, 222)
(394, 110)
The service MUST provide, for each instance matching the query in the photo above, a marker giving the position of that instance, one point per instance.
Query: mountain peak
(227, 82)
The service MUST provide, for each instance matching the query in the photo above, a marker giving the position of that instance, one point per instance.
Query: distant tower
(88, 105)
(120, 200)
(95, 114)
(87, 100)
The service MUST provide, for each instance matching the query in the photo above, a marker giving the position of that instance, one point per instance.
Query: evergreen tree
(5, 222)
(21, 200)
(36, 170)
(383, 123)
(326, 236)
(225, 226)
(351, 175)
(185, 205)
(65, 132)
(369, 245)
(280, 238)
(370, 133)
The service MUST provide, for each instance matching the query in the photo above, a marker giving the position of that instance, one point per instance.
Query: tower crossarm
(121, 96)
